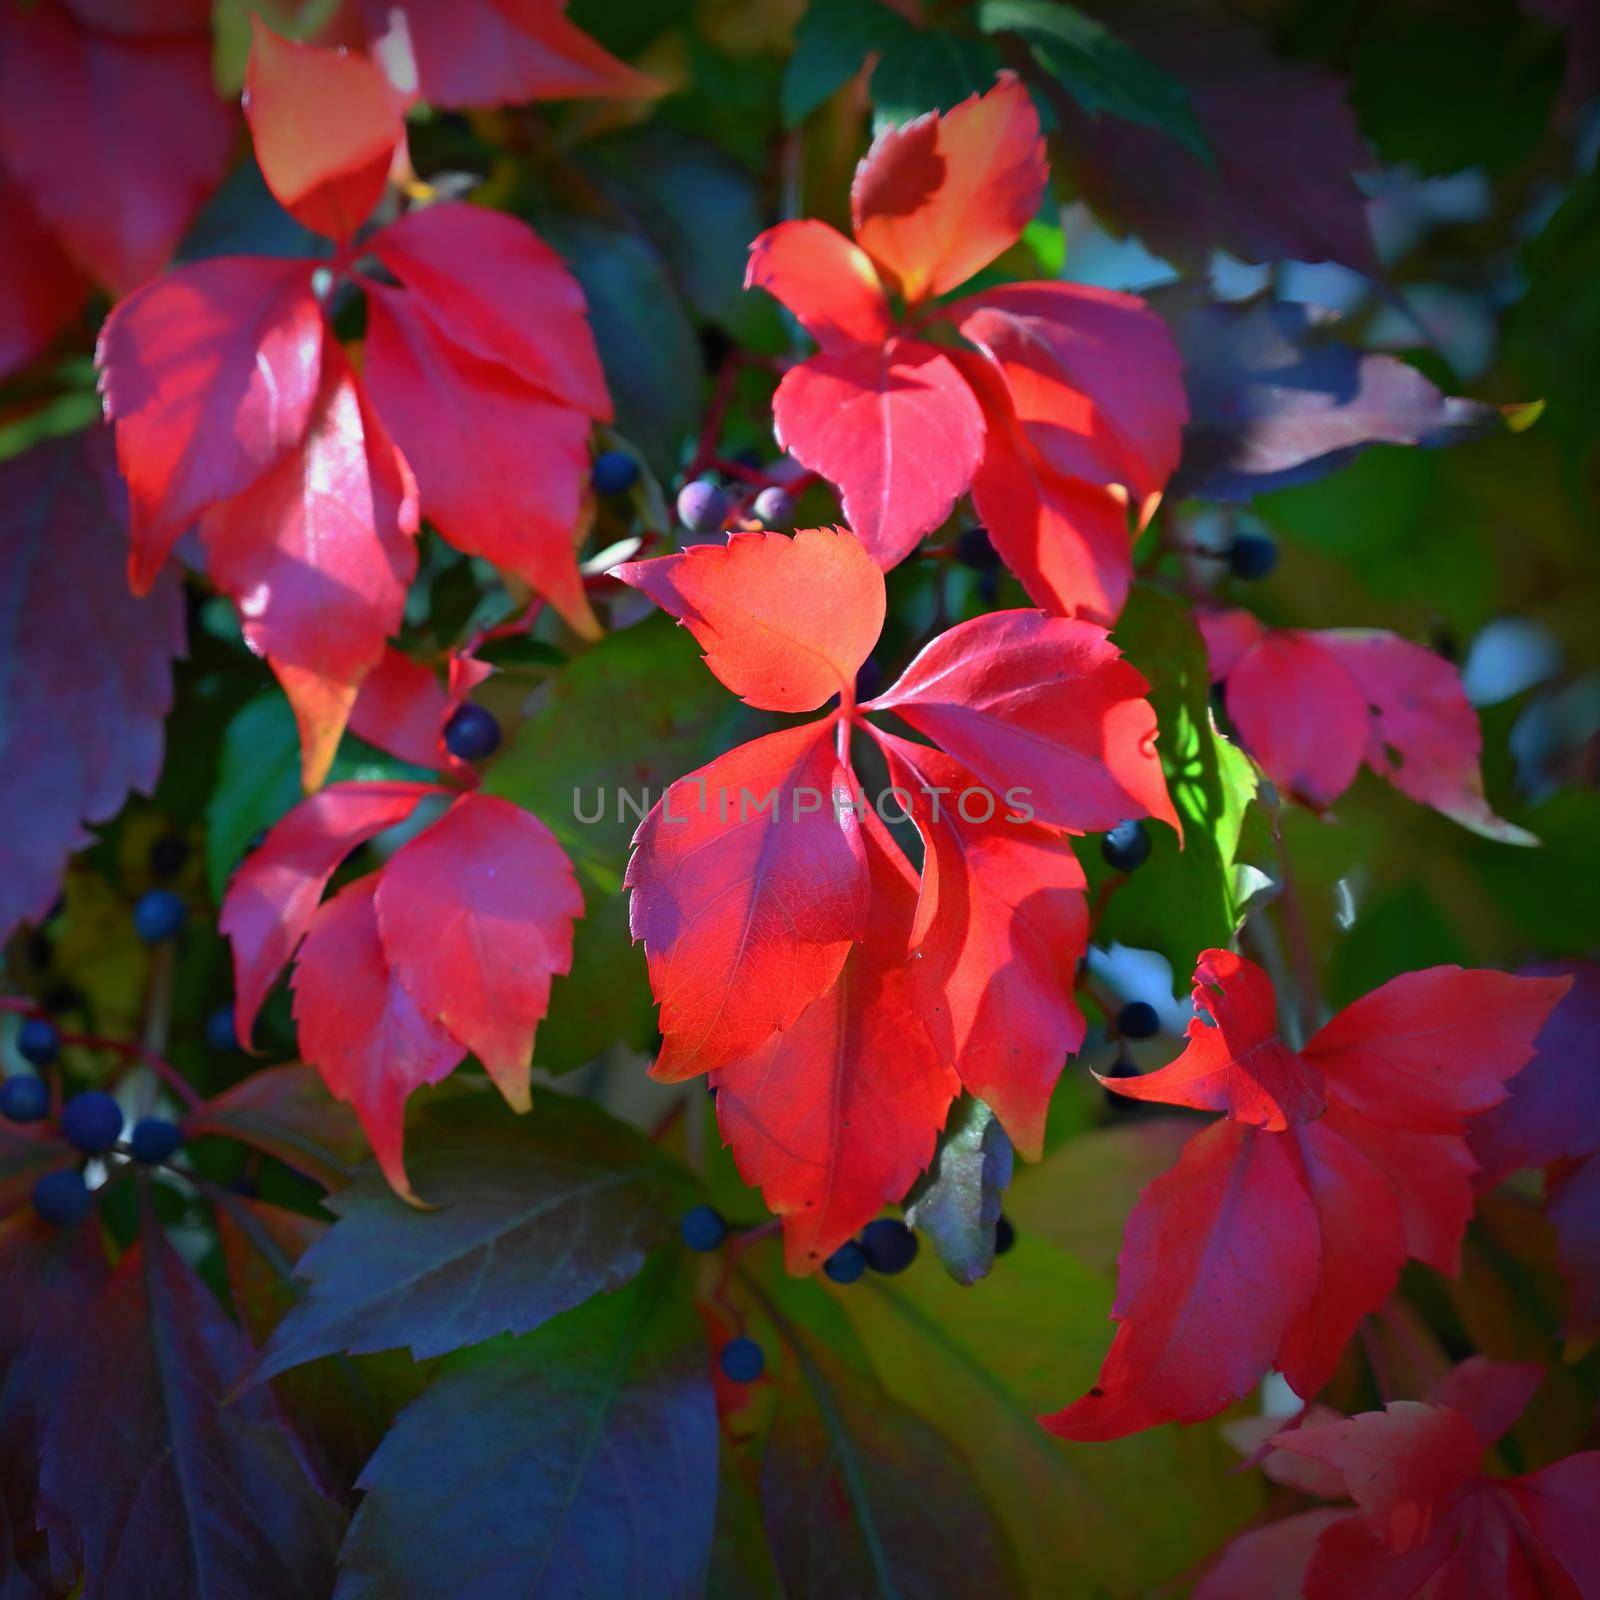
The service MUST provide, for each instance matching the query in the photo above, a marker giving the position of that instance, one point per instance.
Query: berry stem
(128, 1051)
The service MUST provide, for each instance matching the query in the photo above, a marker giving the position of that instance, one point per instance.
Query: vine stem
(126, 1049)
(1303, 958)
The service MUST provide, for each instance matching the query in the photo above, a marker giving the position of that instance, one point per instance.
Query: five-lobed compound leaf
(326, 125)
(535, 1215)
(476, 916)
(210, 375)
(274, 894)
(1331, 1207)
(85, 668)
(1377, 699)
(157, 1477)
(70, 91)
(753, 605)
(317, 555)
(581, 1458)
(749, 886)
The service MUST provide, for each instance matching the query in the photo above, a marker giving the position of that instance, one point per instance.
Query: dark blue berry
(168, 855)
(1138, 1020)
(91, 1121)
(703, 1228)
(1126, 846)
(973, 549)
(38, 1042)
(154, 1139)
(62, 1198)
(1005, 1235)
(742, 1360)
(847, 1263)
(472, 734)
(615, 472)
(24, 1098)
(221, 1034)
(702, 506)
(889, 1246)
(158, 915)
(1252, 556)
(775, 507)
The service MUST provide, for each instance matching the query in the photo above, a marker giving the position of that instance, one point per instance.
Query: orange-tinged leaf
(829, 283)
(784, 622)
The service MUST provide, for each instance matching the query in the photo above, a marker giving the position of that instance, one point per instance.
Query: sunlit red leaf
(1065, 539)
(85, 669)
(894, 426)
(1213, 1269)
(360, 1028)
(496, 52)
(1001, 925)
(317, 556)
(476, 917)
(829, 283)
(117, 141)
(1043, 707)
(837, 1114)
(1235, 1062)
(326, 124)
(210, 375)
(749, 886)
(274, 894)
(1094, 377)
(942, 196)
(753, 605)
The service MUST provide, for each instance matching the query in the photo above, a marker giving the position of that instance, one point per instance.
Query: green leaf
(613, 729)
(861, 1495)
(930, 70)
(580, 1460)
(647, 343)
(1116, 1518)
(535, 1214)
(259, 780)
(1097, 69)
(956, 1203)
(1182, 901)
(834, 39)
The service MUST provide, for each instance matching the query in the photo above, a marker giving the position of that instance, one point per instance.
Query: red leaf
(1213, 1269)
(1491, 1395)
(829, 283)
(1300, 714)
(326, 126)
(894, 426)
(1552, 1108)
(1234, 1063)
(141, 19)
(317, 556)
(1559, 1502)
(476, 918)
(402, 708)
(117, 141)
(837, 1114)
(210, 375)
(496, 52)
(1268, 1563)
(1574, 1212)
(1429, 1049)
(1425, 738)
(754, 606)
(749, 887)
(274, 894)
(505, 482)
(360, 1028)
(1095, 379)
(1066, 540)
(1001, 925)
(40, 289)
(494, 288)
(85, 669)
(941, 197)
(1043, 708)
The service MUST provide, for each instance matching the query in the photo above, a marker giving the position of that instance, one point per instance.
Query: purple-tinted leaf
(1276, 399)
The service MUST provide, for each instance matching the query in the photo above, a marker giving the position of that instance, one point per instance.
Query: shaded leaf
(957, 1203)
